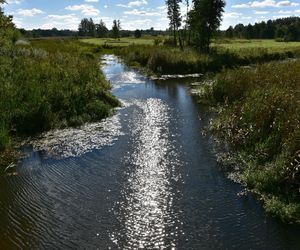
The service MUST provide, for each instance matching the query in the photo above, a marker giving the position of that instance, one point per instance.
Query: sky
(135, 14)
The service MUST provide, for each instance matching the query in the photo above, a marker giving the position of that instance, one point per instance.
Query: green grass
(168, 60)
(50, 84)
(122, 42)
(238, 45)
(260, 119)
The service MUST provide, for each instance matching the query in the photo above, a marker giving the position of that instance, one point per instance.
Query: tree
(116, 29)
(174, 17)
(137, 34)
(8, 32)
(87, 27)
(205, 18)
(229, 32)
(101, 29)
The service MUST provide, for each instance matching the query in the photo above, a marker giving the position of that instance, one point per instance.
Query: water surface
(145, 178)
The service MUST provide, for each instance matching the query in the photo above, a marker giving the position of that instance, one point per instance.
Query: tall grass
(260, 119)
(169, 60)
(50, 84)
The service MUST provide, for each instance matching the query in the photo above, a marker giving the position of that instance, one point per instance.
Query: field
(237, 45)
(120, 42)
(233, 45)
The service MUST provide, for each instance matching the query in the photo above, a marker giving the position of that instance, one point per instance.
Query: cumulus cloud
(70, 21)
(265, 3)
(29, 12)
(86, 9)
(232, 15)
(132, 4)
(136, 12)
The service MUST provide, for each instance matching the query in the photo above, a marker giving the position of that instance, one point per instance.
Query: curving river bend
(145, 178)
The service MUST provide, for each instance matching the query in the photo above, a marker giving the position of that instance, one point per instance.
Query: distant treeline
(87, 28)
(285, 29)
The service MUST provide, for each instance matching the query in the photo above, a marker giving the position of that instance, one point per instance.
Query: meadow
(122, 42)
(155, 58)
(49, 84)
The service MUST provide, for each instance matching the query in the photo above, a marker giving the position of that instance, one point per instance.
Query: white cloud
(265, 3)
(70, 21)
(261, 12)
(136, 12)
(137, 3)
(29, 12)
(86, 9)
(91, 1)
(284, 12)
(232, 15)
(132, 4)
(14, 1)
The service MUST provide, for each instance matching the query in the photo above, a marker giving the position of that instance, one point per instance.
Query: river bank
(258, 114)
(259, 118)
(48, 84)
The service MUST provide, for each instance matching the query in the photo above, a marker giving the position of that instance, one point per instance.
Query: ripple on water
(146, 211)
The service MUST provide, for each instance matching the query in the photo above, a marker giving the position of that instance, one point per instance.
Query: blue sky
(135, 14)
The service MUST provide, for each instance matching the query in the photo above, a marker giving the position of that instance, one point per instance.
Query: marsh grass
(168, 60)
(50, 84)
(260, 119)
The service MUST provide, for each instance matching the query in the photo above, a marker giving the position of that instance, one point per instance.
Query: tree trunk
(174, 35)
(180, 40)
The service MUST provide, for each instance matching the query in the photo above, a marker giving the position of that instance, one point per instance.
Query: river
(145, 178)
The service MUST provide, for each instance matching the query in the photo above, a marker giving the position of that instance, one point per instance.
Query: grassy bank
(122, 42)
(167, 60)
(50, 84)
(259, 118)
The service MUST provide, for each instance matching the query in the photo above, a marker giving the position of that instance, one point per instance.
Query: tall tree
(116, 29)
(174, 17)
(205, 19)
(101, 29)
(87, 27)
(91, 28)
(83, 28)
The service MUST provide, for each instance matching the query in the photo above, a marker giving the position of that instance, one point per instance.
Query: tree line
(285, 29)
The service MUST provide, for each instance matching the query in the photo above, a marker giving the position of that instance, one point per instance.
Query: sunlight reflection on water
(147, 208)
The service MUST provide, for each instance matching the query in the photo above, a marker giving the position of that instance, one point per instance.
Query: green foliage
(116, 29)
(174, 16)
(205, 18)
(284, 29)
(87, 27)
(138, 34)
(101, 29)
(260, 119)
(8, 32)
(50, 84)
(168, 60)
